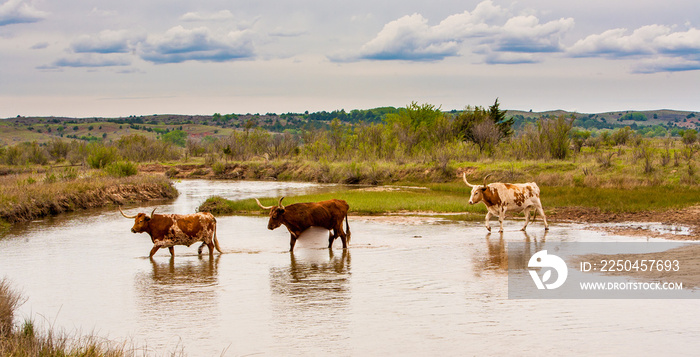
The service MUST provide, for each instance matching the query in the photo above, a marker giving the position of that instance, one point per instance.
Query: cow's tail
(347, 228)
(216, 241)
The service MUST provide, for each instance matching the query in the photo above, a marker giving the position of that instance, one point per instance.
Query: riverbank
(668, 206)
(26, 197)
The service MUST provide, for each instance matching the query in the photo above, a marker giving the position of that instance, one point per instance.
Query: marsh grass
(453, 198)
(361, 201)
(29, 196)
(28, 340)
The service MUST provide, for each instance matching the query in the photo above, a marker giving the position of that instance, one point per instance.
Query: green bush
(101, 156)
(121, 169)
(219, 168)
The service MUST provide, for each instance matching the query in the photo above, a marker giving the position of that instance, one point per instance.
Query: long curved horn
(485, 177)
(152, 212)
(464, 177)
(125, 216)
(280, 202)
(261, 206)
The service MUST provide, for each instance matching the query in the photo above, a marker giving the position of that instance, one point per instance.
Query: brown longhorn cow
(501, 197)
(299, 217)
(168, 230)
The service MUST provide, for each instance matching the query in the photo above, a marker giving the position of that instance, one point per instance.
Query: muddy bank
(67, 198)
(306, 171)
(687, 217)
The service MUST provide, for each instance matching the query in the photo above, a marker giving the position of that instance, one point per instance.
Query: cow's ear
(147, 219)
(483, 189)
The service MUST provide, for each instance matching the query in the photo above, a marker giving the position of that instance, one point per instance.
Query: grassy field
(453, 198)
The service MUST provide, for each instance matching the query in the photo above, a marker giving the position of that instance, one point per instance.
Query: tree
(175, 137)
(499, 118)
(485, 128)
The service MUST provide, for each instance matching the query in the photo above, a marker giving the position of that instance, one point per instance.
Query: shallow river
(429, 289)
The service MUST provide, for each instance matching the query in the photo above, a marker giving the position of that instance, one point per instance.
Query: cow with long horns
(169, 230)
(298, 217)
(501, 197)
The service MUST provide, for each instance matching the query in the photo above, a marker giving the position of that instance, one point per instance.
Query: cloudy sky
(120, 58)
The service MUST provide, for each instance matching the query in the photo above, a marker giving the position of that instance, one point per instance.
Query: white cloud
(412, 38)
(653, 44)
(107, 41)
(180, 44)
(409, 38)
(18, 12)
(526, 34)
(222, 15)
(92, 61)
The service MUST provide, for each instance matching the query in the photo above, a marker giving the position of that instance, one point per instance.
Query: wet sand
(687, 217)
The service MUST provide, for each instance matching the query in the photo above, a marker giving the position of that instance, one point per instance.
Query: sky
(111, 58)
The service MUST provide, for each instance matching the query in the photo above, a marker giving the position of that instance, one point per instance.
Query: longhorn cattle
(299, 217)
(501, 197)
(168, 230)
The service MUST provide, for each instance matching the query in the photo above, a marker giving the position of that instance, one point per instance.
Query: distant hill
(677, 118)
(44, 129)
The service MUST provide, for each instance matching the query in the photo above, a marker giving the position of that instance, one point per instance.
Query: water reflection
(179, 290)
(203, 271)
(496, 258)
(308, 296)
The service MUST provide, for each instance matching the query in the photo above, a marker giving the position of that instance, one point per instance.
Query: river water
(430, 289)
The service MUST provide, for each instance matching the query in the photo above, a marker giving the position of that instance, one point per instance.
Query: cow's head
(141, 221)
(276, 214)
(477, 190)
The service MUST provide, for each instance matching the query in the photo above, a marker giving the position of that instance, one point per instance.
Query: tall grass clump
(27, 340)
(121, 169)
(100, 156)
(10, 300)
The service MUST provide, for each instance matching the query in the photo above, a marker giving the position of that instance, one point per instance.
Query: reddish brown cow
(168, 230)
(299, 217)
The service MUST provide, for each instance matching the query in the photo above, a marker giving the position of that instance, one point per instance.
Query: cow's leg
(501, 217)
(343, 235)
(292, 242)
(344, 239)
(332, 234)
(153, 251)
(488, 217)
(172, 251)
(211, 248)
(527, 218)
(201, 246)
(544, 218)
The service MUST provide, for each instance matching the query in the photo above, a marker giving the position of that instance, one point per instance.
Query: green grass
(453, 198)
(636, 199)
(361, 202)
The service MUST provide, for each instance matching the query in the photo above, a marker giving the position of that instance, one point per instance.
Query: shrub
(175, 137)
(690, 136)
(219, 168)
(555, 133)
(101, 156)
(171, 172)
(121, 169)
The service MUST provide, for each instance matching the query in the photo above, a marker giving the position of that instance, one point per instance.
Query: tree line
(418, 133)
